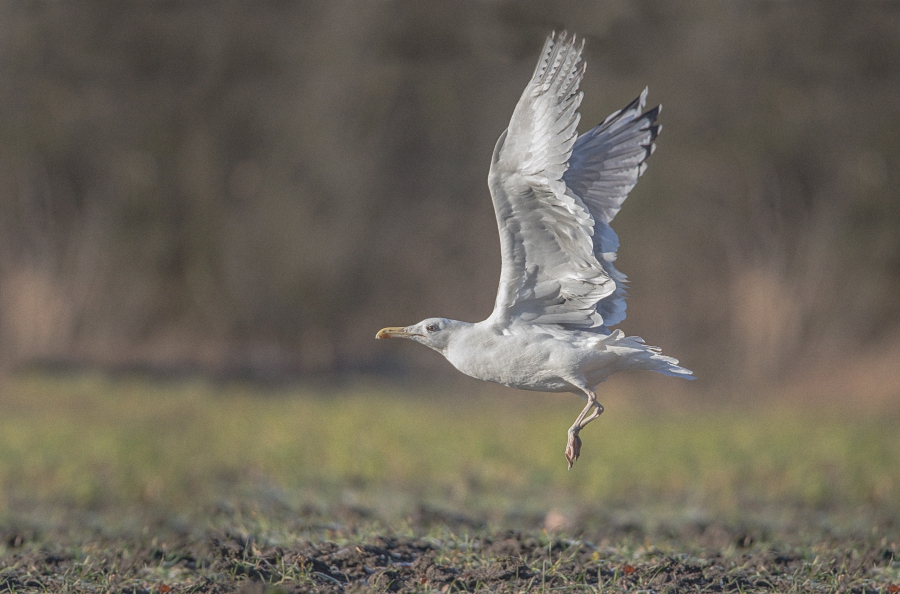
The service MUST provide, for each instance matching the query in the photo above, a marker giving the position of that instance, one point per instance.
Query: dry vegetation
(259, 187)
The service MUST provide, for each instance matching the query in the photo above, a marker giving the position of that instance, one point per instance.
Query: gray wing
(550, 273)
(604, 166)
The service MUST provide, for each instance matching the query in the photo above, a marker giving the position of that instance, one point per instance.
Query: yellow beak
(394, 332)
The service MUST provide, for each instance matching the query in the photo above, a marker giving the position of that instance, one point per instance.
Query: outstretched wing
(605, 165)
(550, 274)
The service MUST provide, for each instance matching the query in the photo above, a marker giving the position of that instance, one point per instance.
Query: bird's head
(434, 333)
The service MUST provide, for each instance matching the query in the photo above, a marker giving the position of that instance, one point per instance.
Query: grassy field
(191, 486)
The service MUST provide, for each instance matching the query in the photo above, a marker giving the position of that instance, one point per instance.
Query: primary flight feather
(555, 194)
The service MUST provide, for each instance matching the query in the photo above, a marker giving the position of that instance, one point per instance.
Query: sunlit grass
(96, 442)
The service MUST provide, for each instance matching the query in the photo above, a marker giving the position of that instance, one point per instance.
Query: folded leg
(591, 411)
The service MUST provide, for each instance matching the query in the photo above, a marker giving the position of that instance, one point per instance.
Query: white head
(434, 333)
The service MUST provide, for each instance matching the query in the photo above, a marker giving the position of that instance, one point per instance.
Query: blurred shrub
(261, 186)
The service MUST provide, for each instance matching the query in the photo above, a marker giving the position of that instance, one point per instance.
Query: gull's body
(554, 195)
(543, 359)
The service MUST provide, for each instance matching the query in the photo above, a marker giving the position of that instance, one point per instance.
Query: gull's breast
(528, 361)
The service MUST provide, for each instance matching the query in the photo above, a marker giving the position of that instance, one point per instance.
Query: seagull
(555, 194)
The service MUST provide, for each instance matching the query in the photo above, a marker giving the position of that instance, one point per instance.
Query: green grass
(91, 458)
(95, 441)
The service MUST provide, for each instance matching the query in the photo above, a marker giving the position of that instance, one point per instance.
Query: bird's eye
(431, 327)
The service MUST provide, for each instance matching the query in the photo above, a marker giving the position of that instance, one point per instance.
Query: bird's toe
(573, 449)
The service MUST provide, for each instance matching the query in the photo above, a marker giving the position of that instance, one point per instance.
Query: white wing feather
(554, 205)
(549, 272)
(604, 167)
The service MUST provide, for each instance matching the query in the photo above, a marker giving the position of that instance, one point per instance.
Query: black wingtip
(651, 114)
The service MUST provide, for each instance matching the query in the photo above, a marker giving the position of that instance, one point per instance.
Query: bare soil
(693, 557)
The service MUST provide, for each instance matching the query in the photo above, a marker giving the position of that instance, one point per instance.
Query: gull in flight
(555, 194)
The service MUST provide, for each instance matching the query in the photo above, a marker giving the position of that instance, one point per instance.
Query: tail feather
(644, 356)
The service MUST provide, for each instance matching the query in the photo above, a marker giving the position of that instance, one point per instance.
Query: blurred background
(254, 189)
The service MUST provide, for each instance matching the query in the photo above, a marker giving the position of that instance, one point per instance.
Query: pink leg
(591, 411)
